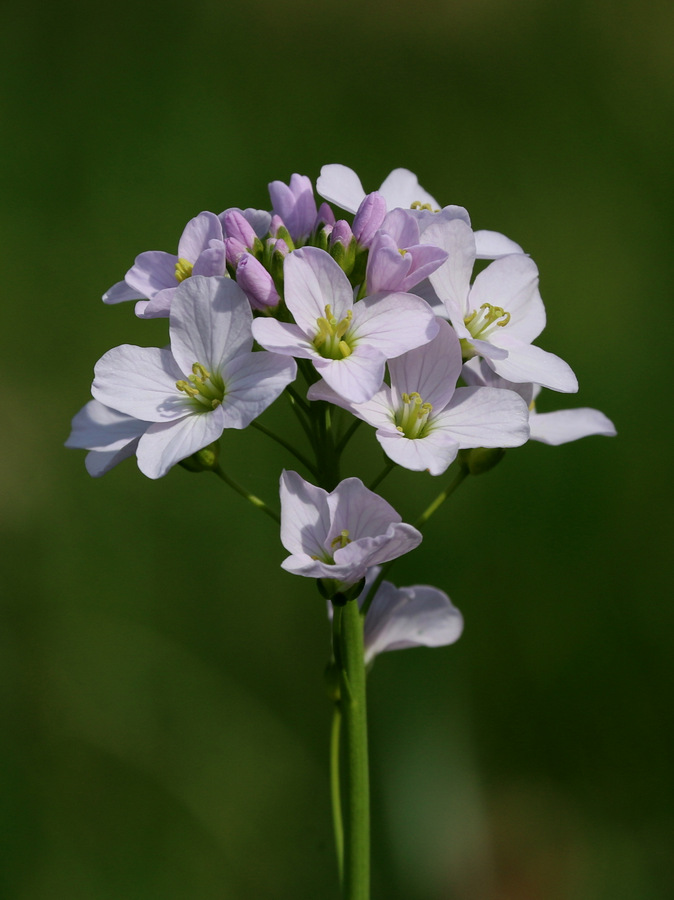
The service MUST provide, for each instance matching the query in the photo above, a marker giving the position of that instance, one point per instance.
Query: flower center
(412, 419)
(419, 205)
(183, 269)
(206, 391)
(337, 543)
(330, 339)
(481, 322)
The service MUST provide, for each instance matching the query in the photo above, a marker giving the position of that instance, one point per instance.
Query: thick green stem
(350, 659)
(335, 790)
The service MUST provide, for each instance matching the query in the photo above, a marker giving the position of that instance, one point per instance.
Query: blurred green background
(165, 727)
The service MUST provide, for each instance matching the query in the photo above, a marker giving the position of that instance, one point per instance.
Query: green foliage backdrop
(164, 730)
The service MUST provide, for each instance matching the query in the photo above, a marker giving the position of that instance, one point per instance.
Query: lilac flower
(207, 381)
(423, 419)
(295, 205)
(155, 275)
(416, 616)
(501, 314)
(397, 260)
(348, 343)
(339, 535)
(258, 219)
(256, 282)
(110, 436)
(553, 428)
(369, 217)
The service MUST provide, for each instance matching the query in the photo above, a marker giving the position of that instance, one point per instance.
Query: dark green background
(165, 726)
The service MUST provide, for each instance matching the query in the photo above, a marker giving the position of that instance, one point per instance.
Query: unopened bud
(369, 218)
(203, 460)
(479, 460)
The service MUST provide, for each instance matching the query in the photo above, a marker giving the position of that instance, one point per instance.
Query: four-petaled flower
(339, 535)
(207, 381)
(348, 343)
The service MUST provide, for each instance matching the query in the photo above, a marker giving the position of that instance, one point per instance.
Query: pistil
(202, 388)
(412, 419)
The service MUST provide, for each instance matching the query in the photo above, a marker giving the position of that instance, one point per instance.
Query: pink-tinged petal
(152, 271)
(569, 425)
(305, 517)
(512, 283)
(417, 616)
(393, 323)
(525, 362)
(358, 510)
(399, 539)
(260, 219)
(432, 370)
(212, 261)
(97, 427)
(341, 186)
(485, 417)
(425, 260)
(401, 188)
(295, 205)
(167, 443)
(159, 307)
(369, 218)
(198, 232)
(492, 245)
(356, 378)
(312, 280)
(252, 382)
(284, 338)
(387, 268)
(377, 412)
(433, 453)
(120, 292)
(426, 217)
(451, 281)
(256, 282)
(210, 322)
(402, 226)
(141, 382)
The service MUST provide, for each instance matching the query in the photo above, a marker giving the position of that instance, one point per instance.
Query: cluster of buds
(380, 312)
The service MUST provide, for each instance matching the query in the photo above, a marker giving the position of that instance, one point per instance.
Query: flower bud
(343, 246)
(479, 460)
(256, 282)
(203, 460)
(237, 226)
(234, 250)
(369, 218)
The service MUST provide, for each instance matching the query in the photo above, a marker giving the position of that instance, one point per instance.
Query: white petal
(357, 377)
(141, 382)
(197, 233)
(393, 323)
(525, 362)
(433, 453)
(415, 616)
(211, 322)
(98, 462)
(512, 283)
(431, 370)
(360, 511)
(451, 281)
(399, 539)
(284, 338)
(312, 280)
(341, 186)
(252, 382)
(97, 427)
(120, 292)
(492, 245)
(377, 412)
(485, 417)
(165, 444)
(305, 517)
(401, 188)
(569, 425)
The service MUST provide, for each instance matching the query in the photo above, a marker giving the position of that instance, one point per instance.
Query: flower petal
(166, 443)
(305, 516)
(355, 508)
(569, 425)
(341, 186)
(197, 234)
(526, 362)
(451, 281)
(432, 370)
(393, 323)
(492, 245)
(284, 338)
(357, 377)
(312, 280)
(433, 453)
(252, 382)
(141, 382)
(512, 283)
(485, 417)
(401, 188)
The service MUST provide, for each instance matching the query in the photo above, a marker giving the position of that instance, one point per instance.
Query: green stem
(382, 475)
(440, 499)
(279, 440)
(348, 632)
(247, 494)
(338, 824)
(348, 434)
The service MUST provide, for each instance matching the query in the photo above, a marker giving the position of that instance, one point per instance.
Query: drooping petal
(97, 427)
(141, 382)
(432, 370)
(252, 382)
(152, 271)
(211, 322)
(485, 417)
(415, 616)
(341, 186)
(569, 425)
(305, 516)
(99, 462)
(120, 292)
(312, 280)
(166, 443)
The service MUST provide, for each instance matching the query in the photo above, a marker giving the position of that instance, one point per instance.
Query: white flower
(207, 381)
(423, 419)
(110, 436)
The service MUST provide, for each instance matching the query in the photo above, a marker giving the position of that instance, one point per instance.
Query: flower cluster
(380, 313)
